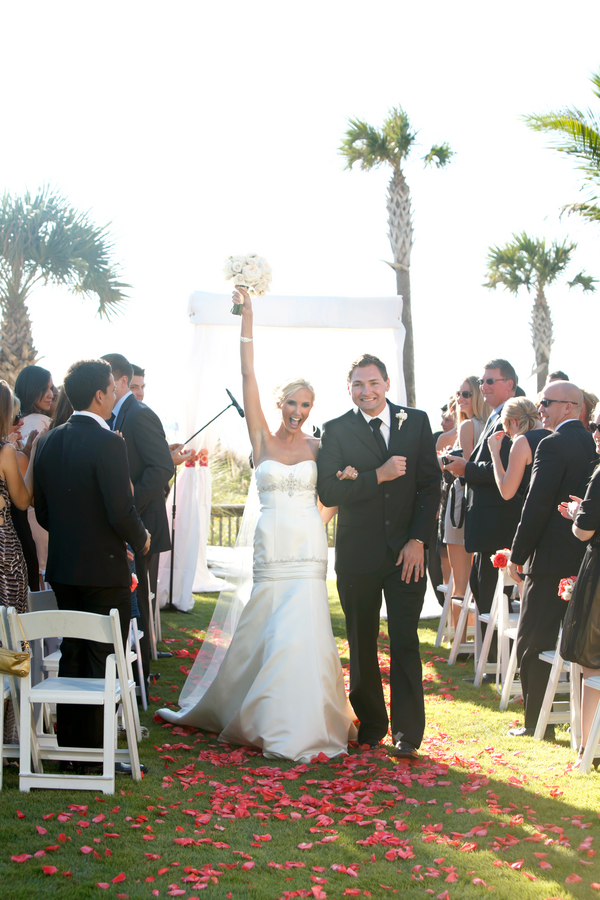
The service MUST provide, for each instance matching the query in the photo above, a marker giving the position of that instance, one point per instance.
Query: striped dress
(13, 583)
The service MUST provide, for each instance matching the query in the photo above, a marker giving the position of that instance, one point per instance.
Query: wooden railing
(226, 518)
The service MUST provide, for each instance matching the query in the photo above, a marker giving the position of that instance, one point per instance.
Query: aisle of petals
(460, 822)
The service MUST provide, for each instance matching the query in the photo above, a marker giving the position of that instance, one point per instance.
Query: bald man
(545, 548)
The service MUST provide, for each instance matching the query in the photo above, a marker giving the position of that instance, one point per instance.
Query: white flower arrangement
(252, 272)
(402, 416)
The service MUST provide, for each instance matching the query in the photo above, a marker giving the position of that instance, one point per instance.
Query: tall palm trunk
(401, 239)
(16, 340)
(541, 336)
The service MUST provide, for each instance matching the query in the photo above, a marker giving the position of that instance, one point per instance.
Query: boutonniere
(402, 416)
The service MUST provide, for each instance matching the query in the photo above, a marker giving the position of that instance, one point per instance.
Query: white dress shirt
(98, 419)
(384, 415)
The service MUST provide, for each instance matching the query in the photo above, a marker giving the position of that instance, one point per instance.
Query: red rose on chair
(500, 559)
(565, 588)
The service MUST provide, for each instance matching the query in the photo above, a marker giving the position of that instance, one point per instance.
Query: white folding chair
(555, 712)
(592, 748)
(467, 606)
(499, 620)
(445, 630)
(10, 692)
(105, 692)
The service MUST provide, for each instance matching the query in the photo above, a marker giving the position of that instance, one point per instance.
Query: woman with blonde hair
(521, 422)
(472, 413)
(279, 684)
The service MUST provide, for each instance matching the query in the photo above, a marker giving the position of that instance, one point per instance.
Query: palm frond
(585, 281)
(440, 155)
(364, 144)
(399, 133)
(527, 262)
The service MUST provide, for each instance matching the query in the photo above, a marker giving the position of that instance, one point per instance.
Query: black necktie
(111, 421)
(375, 425)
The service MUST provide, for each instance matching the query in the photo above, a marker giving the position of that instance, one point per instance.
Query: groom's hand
(412, 560)
(392, 469)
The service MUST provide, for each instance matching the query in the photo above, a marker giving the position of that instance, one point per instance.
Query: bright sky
(201, 129)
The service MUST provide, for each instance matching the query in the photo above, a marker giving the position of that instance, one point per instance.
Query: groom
(386, 519)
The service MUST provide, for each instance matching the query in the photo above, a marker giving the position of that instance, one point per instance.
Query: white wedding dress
(280, 685)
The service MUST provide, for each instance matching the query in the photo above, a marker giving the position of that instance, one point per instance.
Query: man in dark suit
(83, 498)
(545, 547)
(490, 520)
(151, 469)
(386, 519)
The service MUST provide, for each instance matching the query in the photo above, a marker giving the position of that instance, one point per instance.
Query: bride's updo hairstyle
(290, 387)
(523, 410)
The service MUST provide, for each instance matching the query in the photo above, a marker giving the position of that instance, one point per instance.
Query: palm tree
(576, 133)
(392, 145)
(525, 262)
(43, 240)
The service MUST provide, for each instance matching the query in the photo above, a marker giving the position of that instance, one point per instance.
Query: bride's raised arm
(255, 418)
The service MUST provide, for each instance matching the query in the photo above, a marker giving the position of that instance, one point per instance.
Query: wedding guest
(16, 491)
(581, 628)
(35, 389)
(137, 385)
(521, 422)
(544, 548)
(151, 469)
(83, 496)
(558, 375)
(590, 401)
(19, 516)
(63, 409)
(472, 415)
(490, 521)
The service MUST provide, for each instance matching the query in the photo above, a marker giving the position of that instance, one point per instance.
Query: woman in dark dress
(581, 627)
(14, 489)
(521, 422)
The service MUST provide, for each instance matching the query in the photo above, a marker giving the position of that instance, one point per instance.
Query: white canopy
(312, 337)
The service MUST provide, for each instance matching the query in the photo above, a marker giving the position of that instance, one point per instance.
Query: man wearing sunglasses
(490, 521)
(545, 548)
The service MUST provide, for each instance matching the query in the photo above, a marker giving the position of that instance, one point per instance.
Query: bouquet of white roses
(252, 272)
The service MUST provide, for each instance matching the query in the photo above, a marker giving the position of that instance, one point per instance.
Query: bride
(279, 685)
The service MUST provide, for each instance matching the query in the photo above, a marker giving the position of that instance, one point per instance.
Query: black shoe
(164, 654)
(125, 769)
(486, 679)
(529, 732)
(404, 750)
(153, 677)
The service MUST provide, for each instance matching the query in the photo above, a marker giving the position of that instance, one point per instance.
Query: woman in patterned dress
(18, 490)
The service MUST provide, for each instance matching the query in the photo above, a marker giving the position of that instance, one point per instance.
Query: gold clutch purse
(15, 662)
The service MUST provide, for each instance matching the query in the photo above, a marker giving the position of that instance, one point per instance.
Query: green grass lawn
(480, 812)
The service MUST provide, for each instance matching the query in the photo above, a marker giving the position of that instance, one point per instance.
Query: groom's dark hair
(367, 359)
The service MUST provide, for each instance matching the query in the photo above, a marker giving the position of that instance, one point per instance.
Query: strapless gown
(280, 686)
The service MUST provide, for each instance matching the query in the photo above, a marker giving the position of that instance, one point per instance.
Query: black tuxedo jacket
(563, 465)
(83, 498)
(490, 520)
(150, 465)
(371, 516)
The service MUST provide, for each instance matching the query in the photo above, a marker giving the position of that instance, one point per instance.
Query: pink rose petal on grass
(102, 884)
(118, 878)
(21, 858)
(41, 830)
(85, 849)
(305, 846)
(248, 865)
(573, 879)
(49, 870)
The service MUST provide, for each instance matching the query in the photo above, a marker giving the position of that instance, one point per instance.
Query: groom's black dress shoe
(125, 769)
(404, 750)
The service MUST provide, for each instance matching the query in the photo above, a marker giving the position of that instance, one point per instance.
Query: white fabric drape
(192, 521)
(313, 337)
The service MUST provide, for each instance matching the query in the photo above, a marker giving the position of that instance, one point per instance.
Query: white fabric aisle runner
(192, 522)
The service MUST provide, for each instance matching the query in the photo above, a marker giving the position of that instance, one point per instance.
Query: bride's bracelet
(245, 340)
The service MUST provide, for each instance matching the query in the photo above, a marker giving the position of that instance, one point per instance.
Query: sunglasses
(465, 394)
(593, 427)
(546, 402)
(18, 420)
(482, 381)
